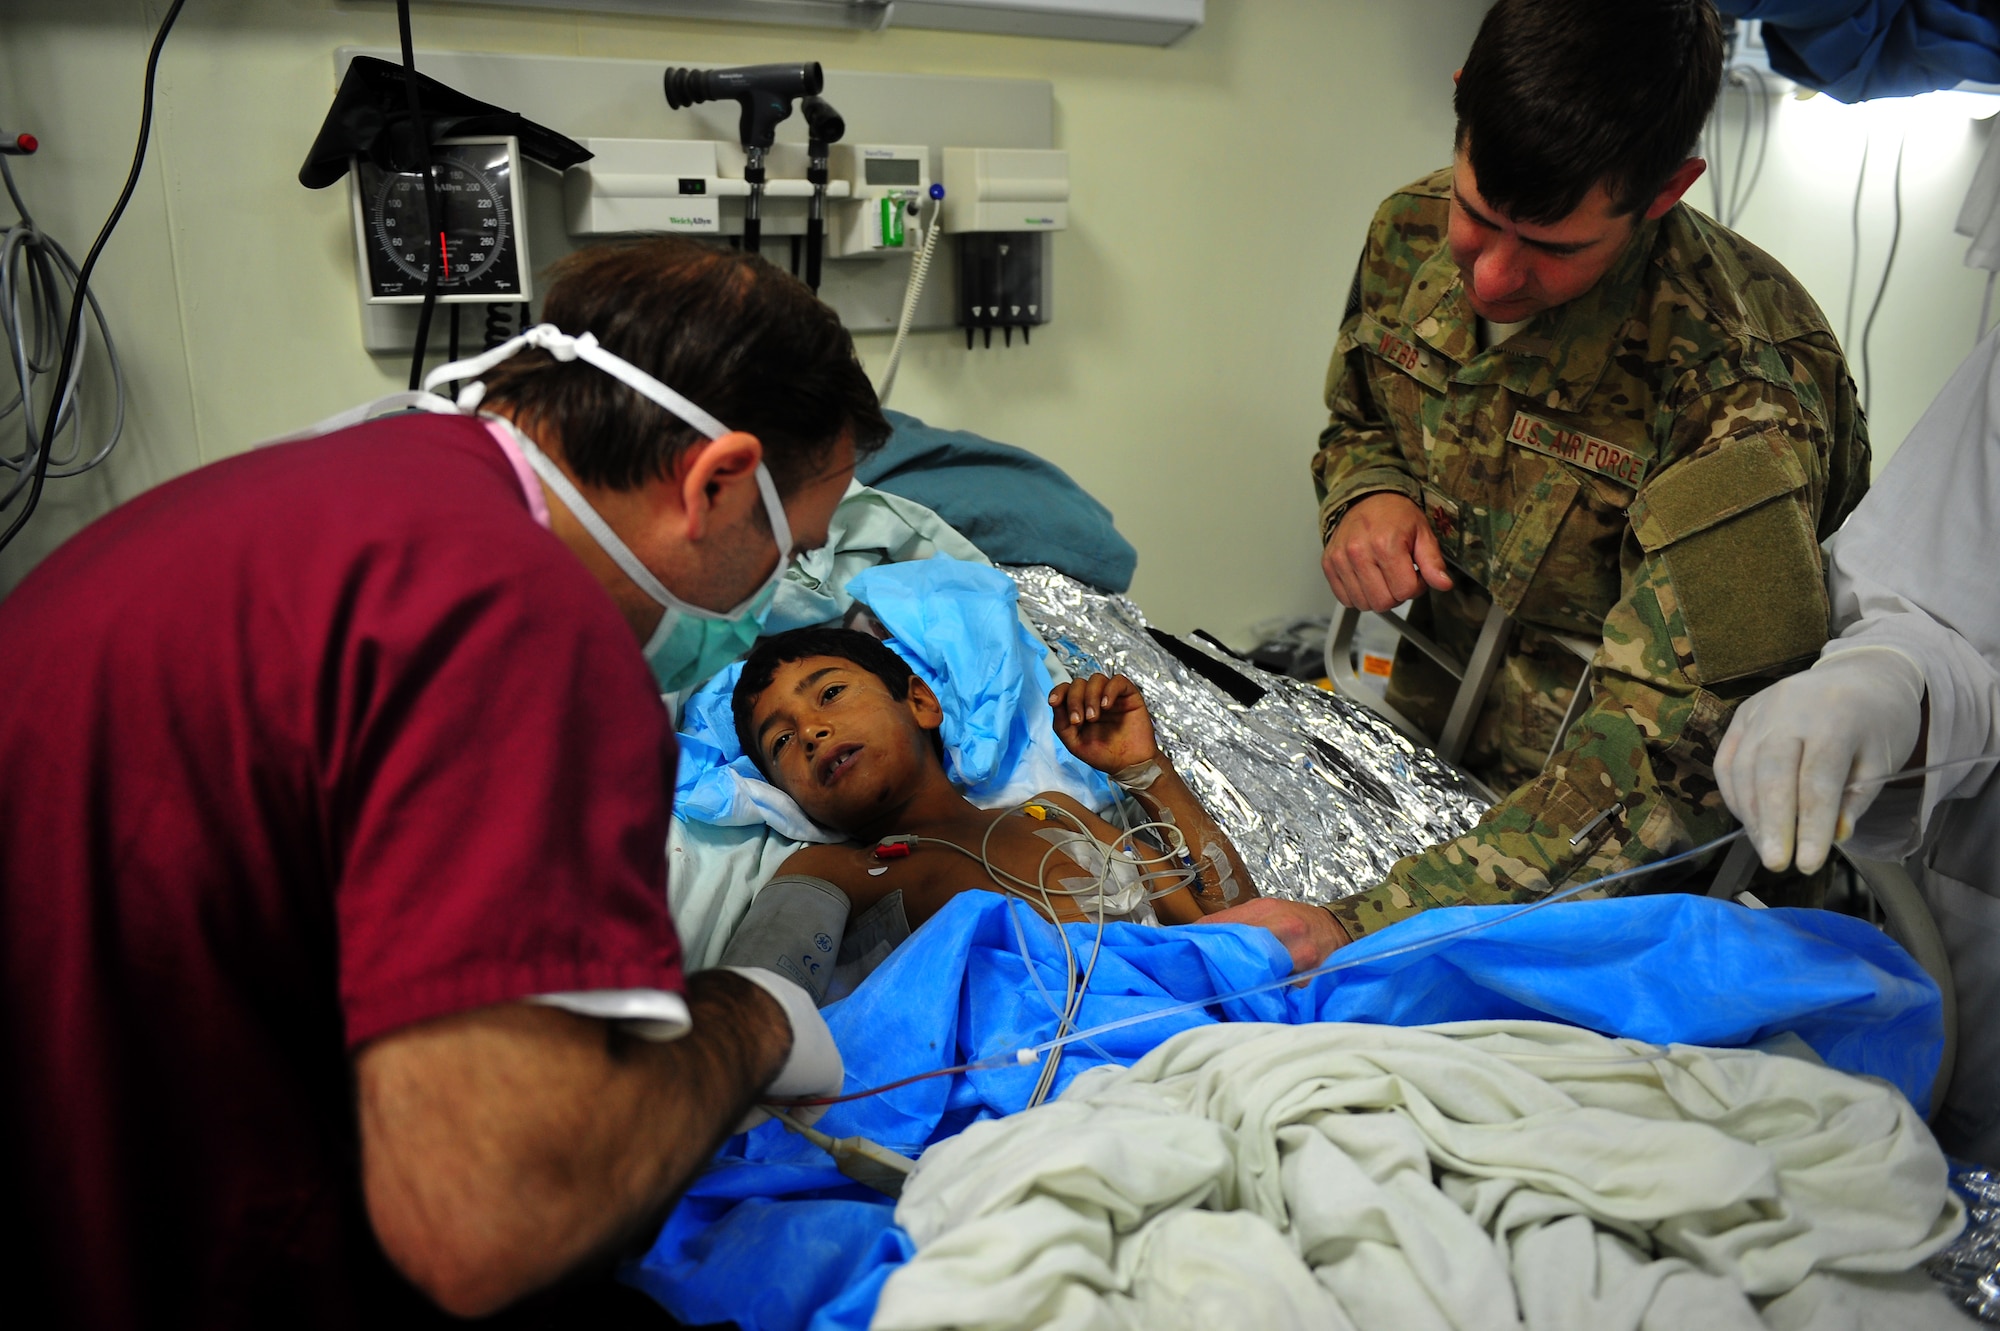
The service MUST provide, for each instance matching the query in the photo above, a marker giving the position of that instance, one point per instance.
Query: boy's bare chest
(1017, 854)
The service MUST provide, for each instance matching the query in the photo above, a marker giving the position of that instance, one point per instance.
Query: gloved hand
(1792, 750)
(814, 1066)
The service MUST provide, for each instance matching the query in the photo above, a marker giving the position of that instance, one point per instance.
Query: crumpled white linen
(1479, 1176)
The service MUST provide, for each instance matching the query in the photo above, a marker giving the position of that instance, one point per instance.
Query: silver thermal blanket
(1320, 795)
(1969, 1269)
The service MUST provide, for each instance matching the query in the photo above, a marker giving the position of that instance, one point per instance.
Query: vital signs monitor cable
(1339, 961)
(69, 367)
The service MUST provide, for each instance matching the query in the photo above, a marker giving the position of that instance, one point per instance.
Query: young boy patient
(841, 724)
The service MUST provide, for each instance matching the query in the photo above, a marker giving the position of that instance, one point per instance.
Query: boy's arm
(837, 863)
(1104, 722)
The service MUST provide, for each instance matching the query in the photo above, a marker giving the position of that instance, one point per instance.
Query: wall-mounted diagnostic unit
(885, 186)
(1000, 204)
(481, 243)
(692, 186)
(629, 147)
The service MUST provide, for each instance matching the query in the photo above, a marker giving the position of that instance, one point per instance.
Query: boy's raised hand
(1103, 720)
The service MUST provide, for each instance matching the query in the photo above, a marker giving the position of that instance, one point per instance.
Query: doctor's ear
(717, 481)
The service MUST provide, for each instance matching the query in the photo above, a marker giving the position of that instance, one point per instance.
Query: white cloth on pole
(1979, 215)
(1484, 1176)
(1915, 568)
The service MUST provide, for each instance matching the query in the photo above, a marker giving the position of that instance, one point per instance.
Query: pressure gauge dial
(479, 243)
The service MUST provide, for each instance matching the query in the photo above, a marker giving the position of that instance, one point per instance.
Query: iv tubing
(1029, 1053)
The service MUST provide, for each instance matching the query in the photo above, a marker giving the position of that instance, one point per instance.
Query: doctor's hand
(1103, 720)
(1382, 554)
(813, 1069)
(1792, 751)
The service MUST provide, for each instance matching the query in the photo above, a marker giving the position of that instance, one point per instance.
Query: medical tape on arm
(1139, 776)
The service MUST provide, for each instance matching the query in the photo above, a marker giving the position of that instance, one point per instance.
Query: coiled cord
(38, 285)
(920, 269)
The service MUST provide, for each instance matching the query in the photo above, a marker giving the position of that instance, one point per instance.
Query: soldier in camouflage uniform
(1645, 454)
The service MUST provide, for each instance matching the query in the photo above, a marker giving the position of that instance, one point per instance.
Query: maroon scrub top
(300, 748)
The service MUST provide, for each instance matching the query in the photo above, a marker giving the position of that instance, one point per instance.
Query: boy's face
(832, 737)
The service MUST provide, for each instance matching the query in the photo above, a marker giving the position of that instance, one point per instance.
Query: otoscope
(824, 128)
(765, 92)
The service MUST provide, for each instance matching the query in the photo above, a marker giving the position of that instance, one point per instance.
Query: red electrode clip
(18, 145)
(894, 847)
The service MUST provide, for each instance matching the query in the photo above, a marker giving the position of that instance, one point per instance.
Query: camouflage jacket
(1649, 468)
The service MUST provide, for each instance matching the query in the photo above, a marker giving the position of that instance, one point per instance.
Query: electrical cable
(1742, 149)
(1336, 962)
(434, 220)
(69, 368)
(1718, 169)
(453, 343)
(1854, 245)
(1768, 99)
(1729, 192)
(1746, 185)
(1882, 289)
(920, 268)
(499, 324)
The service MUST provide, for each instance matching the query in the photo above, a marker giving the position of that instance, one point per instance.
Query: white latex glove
(813, 1067)
(1792, 751)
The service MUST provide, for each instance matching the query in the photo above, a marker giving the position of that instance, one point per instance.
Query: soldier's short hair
(1559, 95)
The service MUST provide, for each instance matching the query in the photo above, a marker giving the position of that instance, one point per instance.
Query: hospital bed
(1368, 791)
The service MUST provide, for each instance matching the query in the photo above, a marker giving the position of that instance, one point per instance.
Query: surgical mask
(691, 643)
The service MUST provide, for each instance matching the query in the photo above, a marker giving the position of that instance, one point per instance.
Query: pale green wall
(1802, 212)
(1221, 191)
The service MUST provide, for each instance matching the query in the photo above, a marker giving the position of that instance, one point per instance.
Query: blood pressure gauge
(481, 244)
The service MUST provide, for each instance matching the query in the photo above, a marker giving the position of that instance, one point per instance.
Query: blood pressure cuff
(798, 927)
(370, 117)
(794, 928)
(1738, 545)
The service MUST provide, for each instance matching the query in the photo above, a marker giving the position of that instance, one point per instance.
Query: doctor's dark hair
(745, 342)
(760, 667)
(1559, 95)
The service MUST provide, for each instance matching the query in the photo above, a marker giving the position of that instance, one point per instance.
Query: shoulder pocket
(1732, 529)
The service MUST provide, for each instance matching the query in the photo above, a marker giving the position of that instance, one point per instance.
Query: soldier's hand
(1310, 935)
(1382, 554)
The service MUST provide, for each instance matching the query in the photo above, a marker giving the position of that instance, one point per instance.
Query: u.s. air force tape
(1578, 449)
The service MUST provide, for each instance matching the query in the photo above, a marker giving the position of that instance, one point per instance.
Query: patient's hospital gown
(1914, 569)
